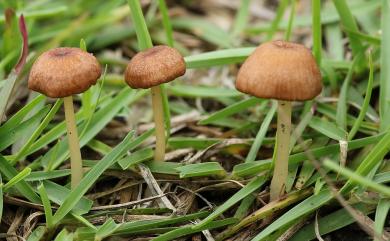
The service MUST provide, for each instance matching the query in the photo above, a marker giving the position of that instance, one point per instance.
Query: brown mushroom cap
(154, 66)
(62, 72)
(280, 70)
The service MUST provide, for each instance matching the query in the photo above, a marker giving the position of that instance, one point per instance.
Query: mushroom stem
(283, 132)
(159, 153)
(74, 146)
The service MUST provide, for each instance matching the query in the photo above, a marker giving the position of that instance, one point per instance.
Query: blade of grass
(279, 15)
(353, 177)
(384, 91)
(22, 152)
(23, 187)
(46, 206)
(252, 186)
(329, 223)
(349, 22)
(241, 18)
(317, 30)
(342, 108)
(16, 179)
(90, 178)
(166, 22)
(189, 229)
(366, 103)
(230, 110)
(261, 134)
(13, 135)
(248, 169)
(381, 214)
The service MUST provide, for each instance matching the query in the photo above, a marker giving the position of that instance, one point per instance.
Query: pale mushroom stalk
(73, 140)
(158, 115)
(282, 150)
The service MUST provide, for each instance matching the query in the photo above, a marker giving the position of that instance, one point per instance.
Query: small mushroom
(286, 72)
(149, 69)
(61, 73)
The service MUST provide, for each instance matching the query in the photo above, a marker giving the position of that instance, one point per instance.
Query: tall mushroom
(286, 72)
(61, 73)
(149, 69)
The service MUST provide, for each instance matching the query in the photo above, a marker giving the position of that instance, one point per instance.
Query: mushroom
(286, 72)
(149, 69)
(61, 73)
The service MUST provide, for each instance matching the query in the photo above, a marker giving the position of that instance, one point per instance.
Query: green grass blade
(90, 178)
(23, 187)
(136, 158)
(1, 197)
(381, 214)
(238, 196)
(166, 22)
(342, 108)
(230, 110)
(16, 179)
(384, 91)
(372, 159)
(202, 169)
(279, 15)
(241, 18)
(287, 34)
(307, 206)
(109, 227)
(143, 36)
(186, 230)
(353, 177)
(46, 206)
(57, 194)
(99, 120)
(13, 135)
(328, 129)
(202, 91)
(218, 57)
(23, 151)
(317, 30)
(349, 22)
(366, 103)
(15, 120)
(329, 223)
(261, 134)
